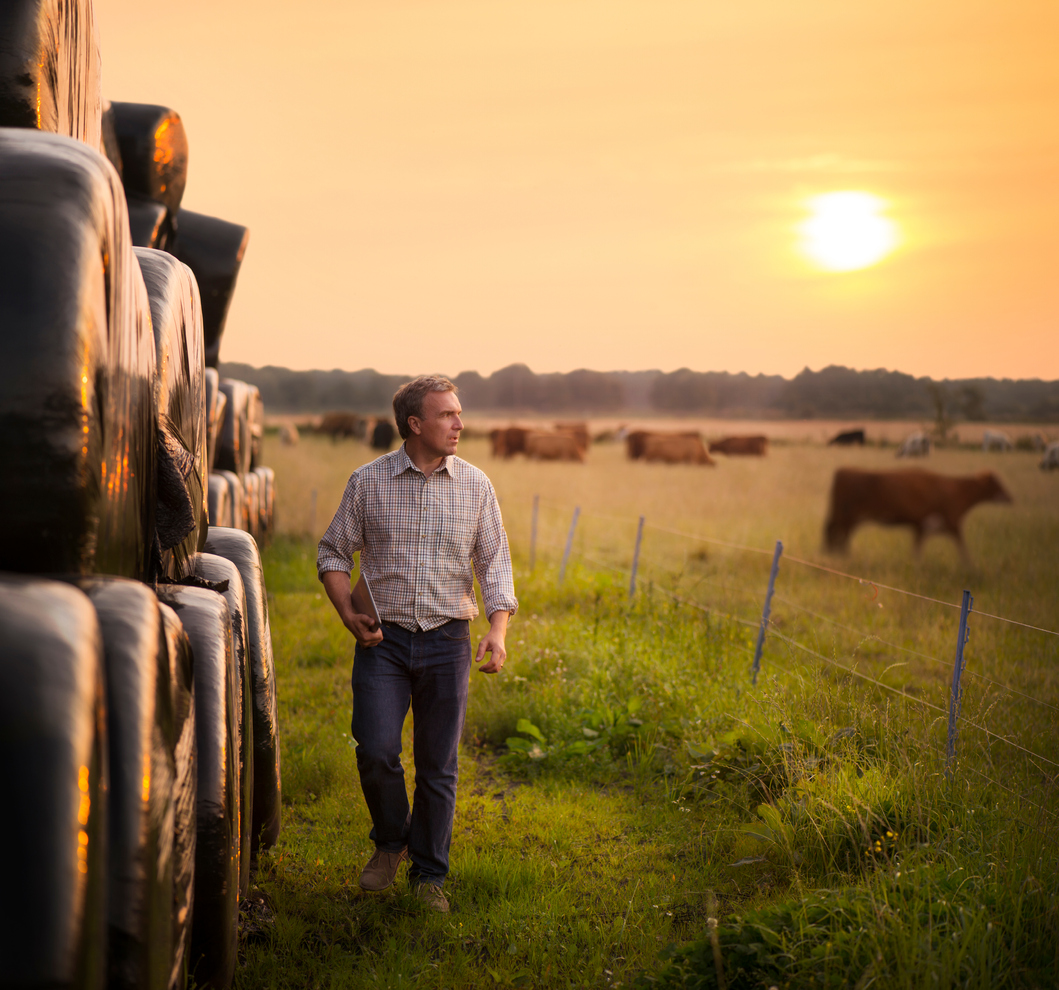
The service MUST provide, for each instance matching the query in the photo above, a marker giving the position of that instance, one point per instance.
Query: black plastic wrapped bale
(49, 68)
(237, 495)
(180, 400)
(241, 550)
(220, 501)
(141, 733)
(223, 572)
(213, 249)
(256, 417)
(149, 224)
(234, 445)
(77, 359)
(108, 142)
(185, 784)
(154, 167)
(252, 488)
(267, 503)
(53, 776)
(216, 401)
(204, 616)
(154, 152)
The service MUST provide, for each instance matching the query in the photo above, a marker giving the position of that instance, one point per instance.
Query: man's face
(439, 426)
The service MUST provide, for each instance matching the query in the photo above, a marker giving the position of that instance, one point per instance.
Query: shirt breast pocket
(457, 528)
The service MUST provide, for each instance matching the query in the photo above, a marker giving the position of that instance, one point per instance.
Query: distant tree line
(831, 393)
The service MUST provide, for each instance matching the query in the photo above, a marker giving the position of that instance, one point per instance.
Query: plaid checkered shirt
(418, 539)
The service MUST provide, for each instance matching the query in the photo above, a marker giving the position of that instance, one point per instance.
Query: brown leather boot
(382, 868)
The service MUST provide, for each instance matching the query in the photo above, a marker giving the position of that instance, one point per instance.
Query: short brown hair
(408, 399)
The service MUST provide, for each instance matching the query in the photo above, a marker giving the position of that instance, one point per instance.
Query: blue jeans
(430, 670)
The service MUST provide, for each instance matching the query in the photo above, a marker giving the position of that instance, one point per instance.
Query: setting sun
(846, 231)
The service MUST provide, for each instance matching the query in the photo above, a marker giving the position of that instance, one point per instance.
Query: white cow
(1050, 460)
(915, 445)
(996, 440)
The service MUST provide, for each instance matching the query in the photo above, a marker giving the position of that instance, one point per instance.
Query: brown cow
(637, 440)
(509, 441)
(341, 425)
(496, 439)
(579, 431)
(755, 446)
(928, 502)
(676, 450)
(553, 447)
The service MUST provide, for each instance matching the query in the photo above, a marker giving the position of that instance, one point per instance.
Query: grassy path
(554, 882)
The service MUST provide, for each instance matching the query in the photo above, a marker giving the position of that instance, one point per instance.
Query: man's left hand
(493, 644)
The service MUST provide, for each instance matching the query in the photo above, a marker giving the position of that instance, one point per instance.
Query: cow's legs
(918, 534)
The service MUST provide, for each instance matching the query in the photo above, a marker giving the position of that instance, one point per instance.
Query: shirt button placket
(419, 554)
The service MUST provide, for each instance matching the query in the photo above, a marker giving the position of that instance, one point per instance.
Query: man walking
(422, 519)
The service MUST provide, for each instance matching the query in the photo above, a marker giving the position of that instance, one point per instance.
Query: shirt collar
(402, 462)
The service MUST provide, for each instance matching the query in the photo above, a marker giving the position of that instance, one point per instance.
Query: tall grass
(622, 783)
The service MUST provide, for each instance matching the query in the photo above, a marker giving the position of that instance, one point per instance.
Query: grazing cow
(753, 446)
(509, 441)
(553, 447)
(1050, 461)
(915, 445)
(847, 438)
(341, 425)
(928, 502)
(996, 440)
(382, 435)
(579, 431)
(636, 441)
(676, 450)
(288, 435)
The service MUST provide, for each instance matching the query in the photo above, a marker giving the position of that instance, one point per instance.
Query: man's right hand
(365, 630)
(363, 627)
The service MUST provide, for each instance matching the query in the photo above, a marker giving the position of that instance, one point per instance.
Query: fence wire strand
(1015, 622)
(865, 636)
(706, 539)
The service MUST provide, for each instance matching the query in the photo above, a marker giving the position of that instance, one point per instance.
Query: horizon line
(644, 371)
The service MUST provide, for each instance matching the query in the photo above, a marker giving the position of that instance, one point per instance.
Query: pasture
(623, 783)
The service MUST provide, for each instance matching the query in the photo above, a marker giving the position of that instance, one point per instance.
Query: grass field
(622, 783)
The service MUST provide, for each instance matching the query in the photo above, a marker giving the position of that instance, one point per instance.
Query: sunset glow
(847, 231)
(473, 184)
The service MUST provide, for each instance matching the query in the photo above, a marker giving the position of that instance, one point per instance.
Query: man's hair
(408, 399)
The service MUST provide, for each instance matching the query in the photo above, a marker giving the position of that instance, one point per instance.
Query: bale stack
(131, 719)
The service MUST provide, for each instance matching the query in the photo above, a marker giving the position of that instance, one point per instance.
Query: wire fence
(780, 617)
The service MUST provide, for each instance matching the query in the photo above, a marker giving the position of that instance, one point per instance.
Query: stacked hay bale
(136, 708)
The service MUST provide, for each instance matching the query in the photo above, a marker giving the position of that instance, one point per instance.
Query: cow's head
(994, 490)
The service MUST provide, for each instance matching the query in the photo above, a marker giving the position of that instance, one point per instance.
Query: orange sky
(444, 186)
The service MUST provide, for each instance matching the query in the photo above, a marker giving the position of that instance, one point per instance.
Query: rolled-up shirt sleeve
(345, 535)
(491, 557)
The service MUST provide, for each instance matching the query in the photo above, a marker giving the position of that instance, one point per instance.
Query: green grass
(622, 782)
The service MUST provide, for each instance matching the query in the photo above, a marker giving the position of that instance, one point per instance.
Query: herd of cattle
(923, 500)
(139, 749)
(570, 442)
(376, 431)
